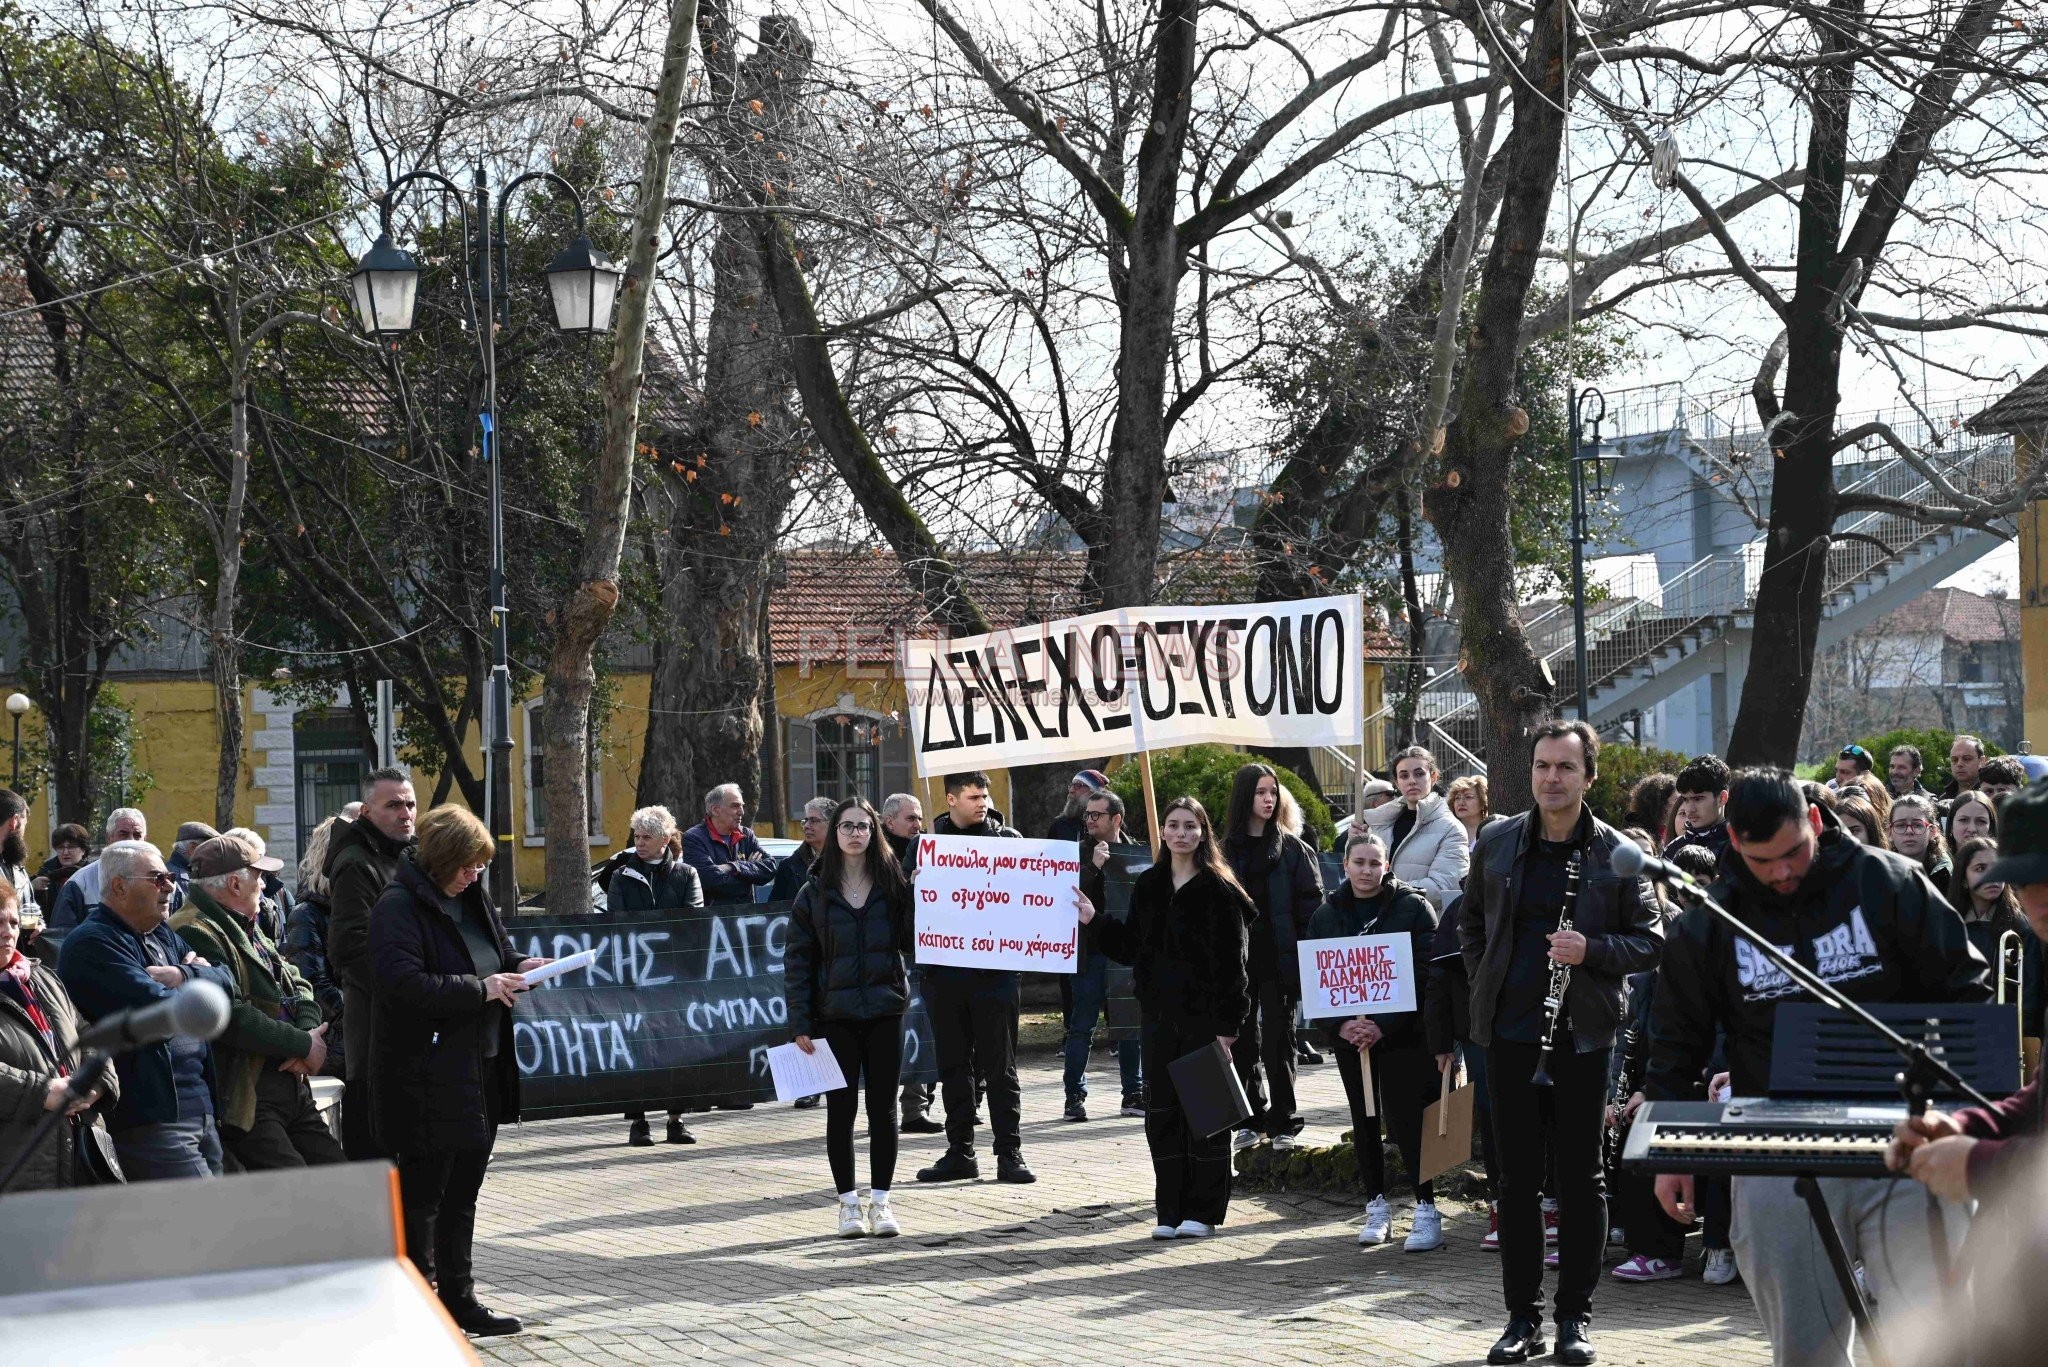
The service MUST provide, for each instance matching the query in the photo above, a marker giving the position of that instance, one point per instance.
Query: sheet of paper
(798, 1074)
(567, 964)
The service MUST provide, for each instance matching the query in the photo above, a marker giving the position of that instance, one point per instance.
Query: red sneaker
(1491, 1243)
(1550, 1227)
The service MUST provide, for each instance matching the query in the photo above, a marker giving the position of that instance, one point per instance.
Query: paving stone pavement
(724, 1251)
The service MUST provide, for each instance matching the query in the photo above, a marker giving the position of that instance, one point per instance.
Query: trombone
(2011, 986)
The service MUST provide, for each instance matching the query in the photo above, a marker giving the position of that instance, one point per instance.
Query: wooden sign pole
(1365, 1076)
(1151, 798)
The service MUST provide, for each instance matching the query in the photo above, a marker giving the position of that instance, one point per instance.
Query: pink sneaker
(1642, 1269)
(1550, 1258)
(1491, 1243)
(1549, 1226)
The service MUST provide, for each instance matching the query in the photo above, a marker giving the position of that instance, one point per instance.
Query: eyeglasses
(855, 828)
(163, 878)
(814, 821)
(1912, 827)
(1095, 816)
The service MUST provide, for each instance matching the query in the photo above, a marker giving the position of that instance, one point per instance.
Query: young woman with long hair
(1991, 909)
(849, 932)
(1263, 847)
(1915, 828)
(1185, 940)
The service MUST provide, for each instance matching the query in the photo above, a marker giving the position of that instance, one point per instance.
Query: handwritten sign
(1142, 678)
(1004, 904)
(672, 1006)
(1357, 975)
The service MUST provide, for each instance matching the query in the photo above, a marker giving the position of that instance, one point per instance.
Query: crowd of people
(386, 964)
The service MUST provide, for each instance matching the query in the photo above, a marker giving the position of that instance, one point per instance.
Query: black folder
(1211, 1096)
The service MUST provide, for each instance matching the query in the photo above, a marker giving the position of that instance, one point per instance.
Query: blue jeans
(1091, 999)
(180, 1148)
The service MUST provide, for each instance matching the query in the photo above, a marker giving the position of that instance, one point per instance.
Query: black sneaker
(1522, 1340)
(1574, 1343)
(1077, 1109)
(919, 1124)
(678, 1132)
(955, 1165)
(638, 1135)
(1133, 1105)
(1010, 1168)
(472, 1318)
(809, 1103)
(1307, 1056)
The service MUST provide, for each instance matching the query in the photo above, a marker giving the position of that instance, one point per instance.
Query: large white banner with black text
(1137, 679)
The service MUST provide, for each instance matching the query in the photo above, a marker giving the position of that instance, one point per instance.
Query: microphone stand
(1922, 1075)
(80, 1084)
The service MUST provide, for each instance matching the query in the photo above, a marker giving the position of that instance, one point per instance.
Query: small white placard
(798, 1074)
(1357, 975)
(555, 968)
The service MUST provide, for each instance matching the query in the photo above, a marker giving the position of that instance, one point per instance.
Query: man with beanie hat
(1070, 824)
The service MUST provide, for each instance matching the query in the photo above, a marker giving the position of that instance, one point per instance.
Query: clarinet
(1610, 1149)
(1560, 977)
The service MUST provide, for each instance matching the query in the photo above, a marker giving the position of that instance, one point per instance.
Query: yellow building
(835, 627)
(2024, 414)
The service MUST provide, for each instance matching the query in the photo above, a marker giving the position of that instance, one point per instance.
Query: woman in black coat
(650, 878)
(849, 931)
(443, 1073)
(1185, 939)
(1281, 874)
(1371, 901)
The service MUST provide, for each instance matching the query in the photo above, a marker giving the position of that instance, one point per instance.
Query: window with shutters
(535, 773)
(846, 753)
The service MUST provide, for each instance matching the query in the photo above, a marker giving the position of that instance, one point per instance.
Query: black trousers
(1650, 1231)
(1267, 1036)
(974, 1028)
(1404, 1081)
(358, 1130)
(287, 1131)
(1190, 1172)
(438, 1189)
(870, 1054)
(1578, 1101)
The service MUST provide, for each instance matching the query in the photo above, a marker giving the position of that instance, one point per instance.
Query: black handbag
(93, 1160)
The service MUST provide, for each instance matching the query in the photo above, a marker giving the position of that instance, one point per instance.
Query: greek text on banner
(1357, 975)
(995, 903)
(1137, 679)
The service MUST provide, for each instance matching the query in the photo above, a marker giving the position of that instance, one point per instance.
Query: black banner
(680, 1009)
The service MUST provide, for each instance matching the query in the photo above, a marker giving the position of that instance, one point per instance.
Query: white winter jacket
(1434, 857)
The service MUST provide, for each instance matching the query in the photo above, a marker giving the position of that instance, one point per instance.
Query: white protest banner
(1137, 679)
(1357, 975)
(994, 903)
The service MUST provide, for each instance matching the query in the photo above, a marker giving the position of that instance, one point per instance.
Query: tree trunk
(589, 607)
(1471, 505)
(1418, 630)
(225, 647)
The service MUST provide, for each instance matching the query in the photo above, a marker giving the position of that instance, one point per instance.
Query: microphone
(198, 1010)
(1629, 861)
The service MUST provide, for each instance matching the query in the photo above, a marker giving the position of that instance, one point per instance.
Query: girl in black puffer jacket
(1370, 901)
(844, 976)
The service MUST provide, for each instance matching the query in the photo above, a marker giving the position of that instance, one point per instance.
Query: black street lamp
(18, 705)
(1589, 410)
(583, 284)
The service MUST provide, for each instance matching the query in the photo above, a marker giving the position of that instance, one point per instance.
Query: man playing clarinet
(1870, 923)
(1549, 932)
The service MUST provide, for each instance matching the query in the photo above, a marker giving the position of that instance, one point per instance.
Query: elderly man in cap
(1071, 823)
(275, 1038)
(191, 836)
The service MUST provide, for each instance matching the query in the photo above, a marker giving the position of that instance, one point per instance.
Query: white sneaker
(1194, 1229)
(1282, 1143)
(1720, 1268)
(853, 1221)
(1379, 1220)
(1244, 1139)
(1166, 1232)
(882, 1220)
(1428, 1232)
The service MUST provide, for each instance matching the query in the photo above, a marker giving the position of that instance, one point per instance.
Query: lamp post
(18, 705)
(1589, 409)
(583, 284)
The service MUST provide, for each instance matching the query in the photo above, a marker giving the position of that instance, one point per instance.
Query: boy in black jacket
(1870, 923)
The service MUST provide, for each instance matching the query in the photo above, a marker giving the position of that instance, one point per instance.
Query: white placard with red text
(1357, 975)
(996, 903)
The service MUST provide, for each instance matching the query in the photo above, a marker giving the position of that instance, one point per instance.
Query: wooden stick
(1365, 1075)
(1443, 1108)
(1151, 797)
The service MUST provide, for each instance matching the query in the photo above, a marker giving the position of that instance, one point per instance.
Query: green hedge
(1205, 772)
(1621, 767)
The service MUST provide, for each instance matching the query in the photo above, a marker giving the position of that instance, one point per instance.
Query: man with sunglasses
(123, 955)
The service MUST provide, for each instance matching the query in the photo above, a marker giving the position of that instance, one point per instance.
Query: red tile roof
(856, 604)
(1958, 615)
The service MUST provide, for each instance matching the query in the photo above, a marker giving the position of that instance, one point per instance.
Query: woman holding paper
(849, 931)
(1185, 940)
(444, 1075)
(1370, 901)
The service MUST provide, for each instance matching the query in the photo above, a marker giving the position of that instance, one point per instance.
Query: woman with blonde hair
(443, 1074)
(649, 877)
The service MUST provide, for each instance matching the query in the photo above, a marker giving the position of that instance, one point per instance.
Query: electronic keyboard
(1763, 1137)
